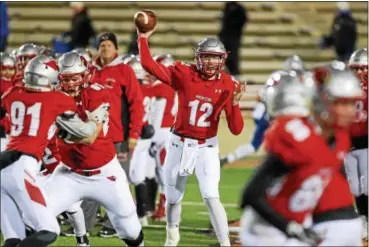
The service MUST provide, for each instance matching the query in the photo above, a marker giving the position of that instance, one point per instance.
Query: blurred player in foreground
(287, 188)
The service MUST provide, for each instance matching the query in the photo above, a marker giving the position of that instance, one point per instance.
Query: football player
(164, 112)
(142, 165)
(356, 163)
(334, 216)
(204, 91)
(286, 189)
(7, 70)
(32, 117)
(91, 171)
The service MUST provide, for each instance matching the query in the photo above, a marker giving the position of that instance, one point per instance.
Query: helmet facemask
(23, 60)
(361, 73)
(73, 83)
(210, 64)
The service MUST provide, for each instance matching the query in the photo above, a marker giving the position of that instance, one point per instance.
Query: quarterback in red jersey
(356, 163)
(289, 185)
(90, 171)
(32, 118)
(204, 91)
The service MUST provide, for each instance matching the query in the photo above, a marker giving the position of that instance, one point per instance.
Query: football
(145, 20)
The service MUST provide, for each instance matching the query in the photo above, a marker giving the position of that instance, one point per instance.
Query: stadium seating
(276, 29)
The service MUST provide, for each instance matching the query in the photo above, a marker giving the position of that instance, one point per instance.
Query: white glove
(100, 114)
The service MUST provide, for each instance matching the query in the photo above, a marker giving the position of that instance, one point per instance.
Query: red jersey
(336, 195)
(32, 117)
(360, 127)
(5, 85)
(123, 85)
(51, 158)
(311, 162)
(200, 102)
(102, 151)
(163, 114)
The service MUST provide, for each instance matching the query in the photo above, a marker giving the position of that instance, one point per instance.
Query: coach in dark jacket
(233, 20)
(343, 34)
(82, 30)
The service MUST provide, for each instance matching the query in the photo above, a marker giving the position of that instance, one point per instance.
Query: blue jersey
(261, 121)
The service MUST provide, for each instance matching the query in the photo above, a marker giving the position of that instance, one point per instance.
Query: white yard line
(181, 227)
(227, 205)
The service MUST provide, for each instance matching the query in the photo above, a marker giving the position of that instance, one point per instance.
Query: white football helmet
(359, 64)
(294, 63)
(41, 74)
(141, 74)
(85, 53)
(74, 74)
(289, 96)
(7, 66)
(25, 53)
(334, 85)
(128, 58)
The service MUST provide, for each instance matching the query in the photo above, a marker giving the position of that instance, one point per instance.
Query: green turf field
(194, 214)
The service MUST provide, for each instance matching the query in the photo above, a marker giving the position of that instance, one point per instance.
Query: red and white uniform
(32, 116)
(102, 151)
(142, 164)
(5, 85)
(335, 217)
(194, 144)
(296, 142)
(356, 163)
(93, 172)
(51, 158)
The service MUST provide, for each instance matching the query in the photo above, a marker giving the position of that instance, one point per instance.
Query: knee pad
(40, 239)
(11, 242)
(128, 227)
(135, 242)
(173, 195)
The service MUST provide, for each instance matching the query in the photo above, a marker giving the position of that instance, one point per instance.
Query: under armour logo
(218, 90)
(105, 37)
(176, 145)
(109, 82)
(79, 103)
(112, 178)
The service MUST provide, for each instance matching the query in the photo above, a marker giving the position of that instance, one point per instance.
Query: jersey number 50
(18, 111)
(206, 107)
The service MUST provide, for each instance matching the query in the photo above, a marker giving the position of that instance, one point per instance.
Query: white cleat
(143, 221)
(83, 245)
(172, 237)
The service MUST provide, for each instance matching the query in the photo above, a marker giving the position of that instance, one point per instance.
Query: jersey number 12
(206, 107)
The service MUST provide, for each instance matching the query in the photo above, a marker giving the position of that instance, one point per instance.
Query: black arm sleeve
(254, 193)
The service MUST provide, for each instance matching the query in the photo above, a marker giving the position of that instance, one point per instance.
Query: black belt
(8, 157)
(360, 142)
(346, 213)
